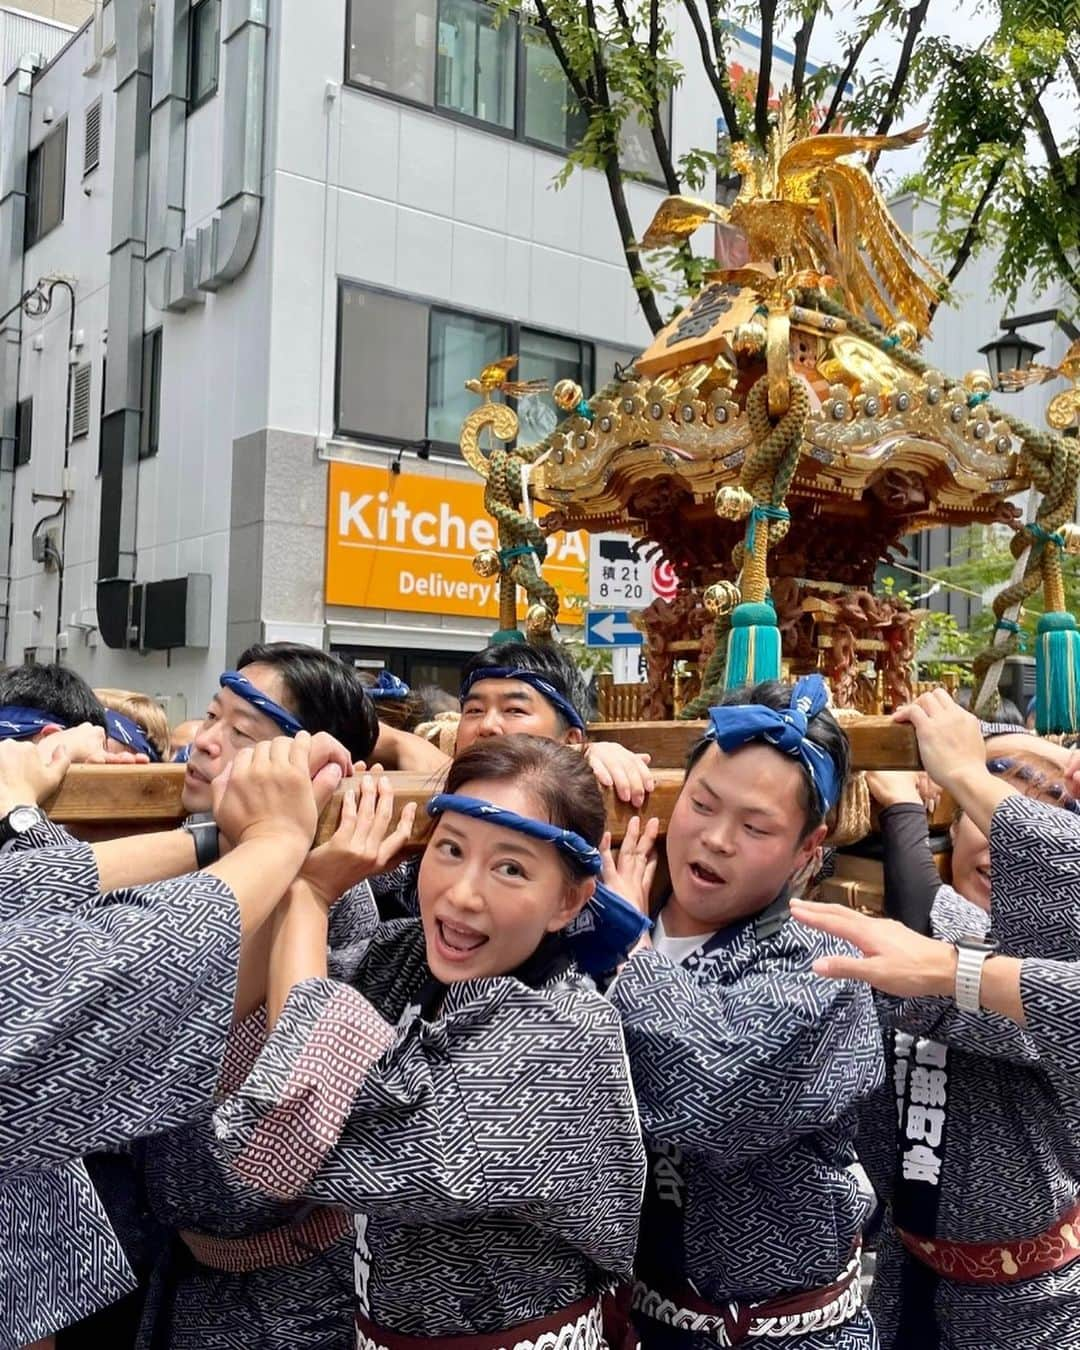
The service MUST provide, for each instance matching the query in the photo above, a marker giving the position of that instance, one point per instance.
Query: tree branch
(854, 56)
(916, 20)
(764, 79)
(802, 51)
(584, 95)
(721, 87)
(656, 122)
(1058, 172)
(971, 234)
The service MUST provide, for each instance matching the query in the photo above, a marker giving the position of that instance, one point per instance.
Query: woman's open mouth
(457, 943)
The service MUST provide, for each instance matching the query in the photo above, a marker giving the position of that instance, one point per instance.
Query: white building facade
(291, 233)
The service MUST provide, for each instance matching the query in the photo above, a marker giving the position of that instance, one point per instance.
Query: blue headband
(182, 755)
(129, 734)
(243, 688)
(388, 686)
(733, 727)
(542, 686)
(609, 926)
(18, 724)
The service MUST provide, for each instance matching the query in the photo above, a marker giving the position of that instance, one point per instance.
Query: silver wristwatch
(972, 951)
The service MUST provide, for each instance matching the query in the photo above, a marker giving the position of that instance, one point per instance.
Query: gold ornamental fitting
(906, 332)
(486, 563)
(749, 340)
(733, 503)
(978, 382)
(539, 621)
(721, 598)
(1070, 537)
(567, 395)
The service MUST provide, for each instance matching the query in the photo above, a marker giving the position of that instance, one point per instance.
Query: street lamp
(1010, 355)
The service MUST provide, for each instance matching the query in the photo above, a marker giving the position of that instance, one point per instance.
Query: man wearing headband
(746, 1064)
(53, 703)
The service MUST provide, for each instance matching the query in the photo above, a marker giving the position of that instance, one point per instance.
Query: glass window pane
(606, 360)
(460, 348)
(476, 62)
(53, 174)
(551, 359)
(637, 154)
(552, 115)
(392, 47)
(205, 48)
(380, 365)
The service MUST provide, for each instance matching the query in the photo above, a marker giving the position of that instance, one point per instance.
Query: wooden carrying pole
(102, 801)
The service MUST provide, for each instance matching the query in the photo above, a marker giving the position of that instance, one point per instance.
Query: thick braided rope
(768, 472)
(502, 501)
(767, 475)
(1051, 462)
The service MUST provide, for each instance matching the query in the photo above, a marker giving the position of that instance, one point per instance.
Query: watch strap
(969, 969)
(207, 846)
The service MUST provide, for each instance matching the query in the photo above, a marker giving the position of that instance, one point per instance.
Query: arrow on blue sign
(611, 628)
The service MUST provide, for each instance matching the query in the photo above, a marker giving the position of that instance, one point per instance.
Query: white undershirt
(676, 949)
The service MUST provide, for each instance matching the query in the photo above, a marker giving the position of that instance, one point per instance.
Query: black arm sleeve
(911, 876)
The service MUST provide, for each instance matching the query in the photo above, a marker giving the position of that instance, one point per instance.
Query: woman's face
(489, 895)
(971, 863)
(230, 724)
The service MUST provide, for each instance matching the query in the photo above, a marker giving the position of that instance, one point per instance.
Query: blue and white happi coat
(490, 1149)
(1011, 1160)
(114, 1011)
(190, 1186)
(747, 1068)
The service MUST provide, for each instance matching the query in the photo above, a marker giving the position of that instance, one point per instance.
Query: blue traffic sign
(611, 628)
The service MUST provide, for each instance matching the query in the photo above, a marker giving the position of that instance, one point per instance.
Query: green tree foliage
(994, 161)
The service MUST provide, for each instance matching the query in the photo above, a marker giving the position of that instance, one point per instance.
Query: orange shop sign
(404, 541)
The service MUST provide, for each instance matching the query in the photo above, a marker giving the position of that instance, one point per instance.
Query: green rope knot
(583, 410)
(890, 342)
(507, 555)
(762, 512)
(980, 396)
(1007, 626)
(1043, 536)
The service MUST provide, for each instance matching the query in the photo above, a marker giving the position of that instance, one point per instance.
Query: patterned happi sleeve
(976, 1033)
(113, 1021)
(60, 1260)
(1050, 993)
(1035, 879)
(51, 874)
(737, 1071)
(473, 1114)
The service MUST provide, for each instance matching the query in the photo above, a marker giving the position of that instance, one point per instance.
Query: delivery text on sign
(407, 542)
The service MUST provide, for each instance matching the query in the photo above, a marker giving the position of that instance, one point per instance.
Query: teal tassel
(507, 635)
(1057, 675)
(753, 652)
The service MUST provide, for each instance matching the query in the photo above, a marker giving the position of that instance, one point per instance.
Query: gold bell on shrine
(567, 394)
(733, 503)
(721, 598)
(486, 563)
(539, 621)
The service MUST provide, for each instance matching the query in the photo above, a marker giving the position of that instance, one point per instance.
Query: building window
(46, 173)
(205, 52)
(452, 56)
(92, 138)
(80, 402)
(392, 347)
(550, 114)
(151, 395)
(382, 341)
(474, 74)
(459, 347)
(24, 431)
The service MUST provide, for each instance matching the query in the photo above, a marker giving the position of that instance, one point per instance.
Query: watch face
(979, 942)
(23, 818)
